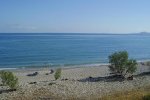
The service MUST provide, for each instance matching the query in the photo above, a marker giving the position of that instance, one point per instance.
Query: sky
(74, 16)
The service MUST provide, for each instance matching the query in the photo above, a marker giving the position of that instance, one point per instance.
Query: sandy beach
(82, 82)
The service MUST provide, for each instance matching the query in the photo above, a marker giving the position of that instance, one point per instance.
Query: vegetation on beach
(121, 65)
(57, 74)
(9, 79)
(146, 97)
(142, 93)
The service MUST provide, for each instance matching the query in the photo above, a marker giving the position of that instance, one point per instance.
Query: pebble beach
(75, 83)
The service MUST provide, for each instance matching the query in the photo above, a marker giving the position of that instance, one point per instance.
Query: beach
(75, 83)
(74, 50)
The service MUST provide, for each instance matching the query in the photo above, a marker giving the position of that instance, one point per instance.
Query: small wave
(7, 68)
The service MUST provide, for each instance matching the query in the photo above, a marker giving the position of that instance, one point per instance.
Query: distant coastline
(72, 33)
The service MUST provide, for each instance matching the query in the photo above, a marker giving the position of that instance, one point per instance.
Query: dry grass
(136, 94)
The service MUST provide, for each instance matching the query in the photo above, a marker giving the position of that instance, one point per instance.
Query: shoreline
(30, 67)
(54, 66)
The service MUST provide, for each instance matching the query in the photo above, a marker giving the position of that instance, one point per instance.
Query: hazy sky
(92, 16)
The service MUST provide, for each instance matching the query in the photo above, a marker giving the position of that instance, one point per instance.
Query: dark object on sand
(144, 73)
(51, 71)
(130, 77)
(32, 82)
(65, 79)
(90, 77)
(142, 63)
(51, 83)
(7, 91)
(47, 74)
(33, 74)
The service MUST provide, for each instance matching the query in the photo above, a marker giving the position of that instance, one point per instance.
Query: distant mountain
(144, 33)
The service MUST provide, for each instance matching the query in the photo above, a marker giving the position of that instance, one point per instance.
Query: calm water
(19, 50)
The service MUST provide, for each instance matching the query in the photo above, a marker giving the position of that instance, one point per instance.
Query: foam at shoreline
(62, 66)
(8, 68)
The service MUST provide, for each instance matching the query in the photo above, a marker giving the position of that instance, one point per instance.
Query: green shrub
(9, 79)
(121, 65)
(57, 74)
(146, 97)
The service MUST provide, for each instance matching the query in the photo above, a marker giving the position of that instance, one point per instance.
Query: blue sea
(18, 50)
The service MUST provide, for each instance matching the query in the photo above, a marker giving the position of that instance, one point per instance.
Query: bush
(146, 97)
(9, 79)
(121, 65)
(57, 74)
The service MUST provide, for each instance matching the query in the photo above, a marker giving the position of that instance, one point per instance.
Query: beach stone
(32, 82)
(130, 78)
(47, 74)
